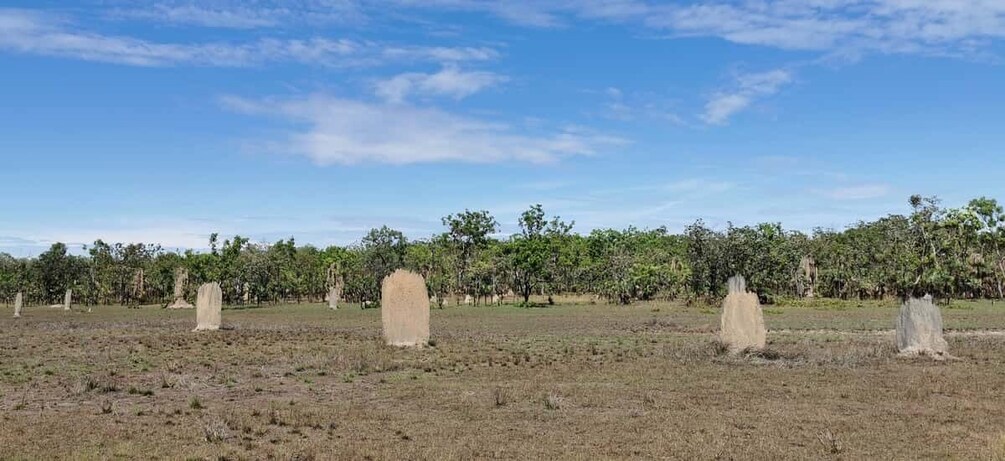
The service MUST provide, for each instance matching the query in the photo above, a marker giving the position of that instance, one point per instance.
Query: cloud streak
(343, 131)
(29, 32)
(748, 88)
(449, 82)
(858, 192)
(943, 27)
(845, 27)
(234, 14)
(229, 18)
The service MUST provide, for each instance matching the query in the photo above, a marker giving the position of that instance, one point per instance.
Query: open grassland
(573, 381)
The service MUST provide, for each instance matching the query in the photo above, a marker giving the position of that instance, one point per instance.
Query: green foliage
(467, 235)
(57, 272)
(638, 265)
(956, 253)
(540, 254)
(113, 271)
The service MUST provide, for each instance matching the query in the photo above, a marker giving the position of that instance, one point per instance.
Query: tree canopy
(946, 252)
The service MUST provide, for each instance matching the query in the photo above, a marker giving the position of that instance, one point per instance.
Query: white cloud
(344, 131)
(440, 53)
(240, 14)
(617, 109)
(837, 27)
(540, 13)
(947, 27)
(450, 82)
(232, 18)
(630, 106)
(748, 88)
(28, 32)
(858, 192)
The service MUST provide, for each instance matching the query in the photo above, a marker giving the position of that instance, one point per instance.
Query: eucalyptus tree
(931, 277)
(228, 265)
(432, 259)
(991, 238)
(468, 233)
(160, 275)
(13, 276)
(529, 252)
(56, 271)
(259, 273)
(705, 255)
(310, 273)
(562, 256)
(383, 252)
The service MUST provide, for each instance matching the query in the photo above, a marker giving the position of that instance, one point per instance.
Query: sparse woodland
(952, 253)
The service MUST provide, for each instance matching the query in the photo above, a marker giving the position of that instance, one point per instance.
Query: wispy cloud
(439, 53)
(886, 26)
(237, 14)
(450, 82)
(947, 27)
(938, 27)
(541, 13)
(345, 131)
(231, 18)
(857, 192)
(37, 33)
(747, 89)
(632, 106)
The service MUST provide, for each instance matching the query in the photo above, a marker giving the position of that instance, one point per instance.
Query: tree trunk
(1001, 279)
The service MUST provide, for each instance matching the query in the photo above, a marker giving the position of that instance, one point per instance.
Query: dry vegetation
(582, 382)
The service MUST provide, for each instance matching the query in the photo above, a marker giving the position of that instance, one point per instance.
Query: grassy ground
(567, 382)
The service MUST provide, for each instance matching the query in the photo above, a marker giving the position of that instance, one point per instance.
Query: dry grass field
(566, 382)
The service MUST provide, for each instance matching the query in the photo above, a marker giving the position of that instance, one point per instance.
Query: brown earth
(567, 382)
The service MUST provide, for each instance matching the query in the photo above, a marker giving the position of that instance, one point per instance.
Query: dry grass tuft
(500, 397)
(830, 442)
(553, 401)
(215, 431)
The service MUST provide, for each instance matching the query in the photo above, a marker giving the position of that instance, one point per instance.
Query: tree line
(947, 252)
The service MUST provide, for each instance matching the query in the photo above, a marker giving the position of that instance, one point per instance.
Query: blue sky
(164, 121)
